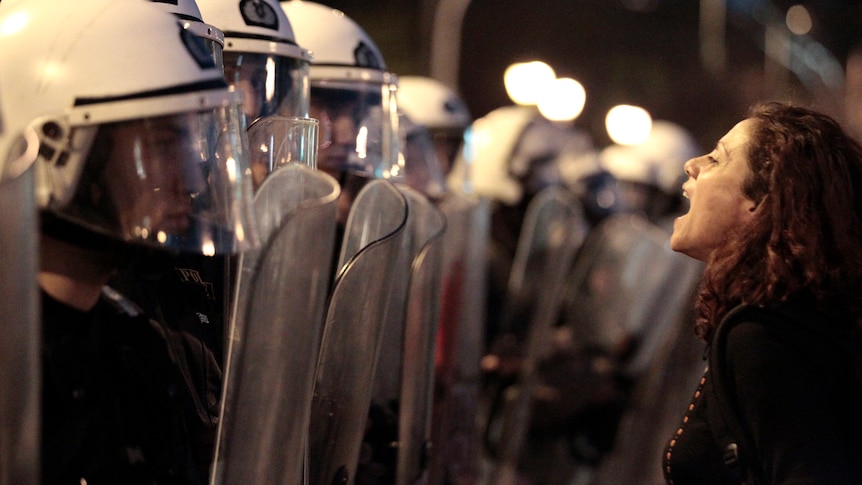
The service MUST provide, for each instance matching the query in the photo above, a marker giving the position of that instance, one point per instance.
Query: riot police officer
(145, 155)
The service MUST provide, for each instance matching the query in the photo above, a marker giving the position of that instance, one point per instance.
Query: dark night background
(648, 57)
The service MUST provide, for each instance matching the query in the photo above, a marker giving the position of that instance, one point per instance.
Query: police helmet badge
(258, 14)
(366, 57)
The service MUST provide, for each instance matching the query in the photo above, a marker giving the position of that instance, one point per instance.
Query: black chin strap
(62, 229)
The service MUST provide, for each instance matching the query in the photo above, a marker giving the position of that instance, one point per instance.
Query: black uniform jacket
(115, 405)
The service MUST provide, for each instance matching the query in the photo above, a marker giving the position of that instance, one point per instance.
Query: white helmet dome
(148, 69)
(579, 159)
(658, 161)
(253, 26)
(431, 103)
(483, 166)
(261, 56)
(342, 50)
(141, 74)
(511, 151)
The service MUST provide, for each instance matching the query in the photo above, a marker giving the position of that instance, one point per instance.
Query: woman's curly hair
(804, 240)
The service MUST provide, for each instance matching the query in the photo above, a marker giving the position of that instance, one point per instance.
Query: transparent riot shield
(625, 295)
(554, 230)
(460, 334)
(667, 364)
(372, 272)
(20, 327)
(276, 330)
(405, 369)
(619, 284)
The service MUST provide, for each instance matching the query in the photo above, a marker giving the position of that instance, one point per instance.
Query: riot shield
(276, 330)
(554, 230)
(667, 365)
(405, 370)
(624, 298)
(618, 284)
(460, 334)
(372, 272)
(20, 325)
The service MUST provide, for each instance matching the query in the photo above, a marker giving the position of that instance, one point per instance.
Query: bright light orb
(628, 125)
(14, 23)
(525, 81)
(798, 20)
(562, 100)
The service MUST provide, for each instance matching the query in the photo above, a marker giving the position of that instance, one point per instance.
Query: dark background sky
(648, 57)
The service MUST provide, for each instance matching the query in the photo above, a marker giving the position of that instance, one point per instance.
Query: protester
(776, 214)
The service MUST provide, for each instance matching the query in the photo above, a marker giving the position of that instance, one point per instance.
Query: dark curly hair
(804, 241)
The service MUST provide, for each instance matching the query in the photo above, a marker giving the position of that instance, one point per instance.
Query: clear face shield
(358, 126)
(271, 84)
(421, 164)
(174, 181)
(448, 142)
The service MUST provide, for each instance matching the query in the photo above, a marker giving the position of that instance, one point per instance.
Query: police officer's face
(338, 126)
(153, 172)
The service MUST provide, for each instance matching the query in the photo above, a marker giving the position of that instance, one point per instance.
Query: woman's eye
(712, 160)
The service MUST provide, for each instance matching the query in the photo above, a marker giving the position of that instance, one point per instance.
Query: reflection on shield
(276, 330)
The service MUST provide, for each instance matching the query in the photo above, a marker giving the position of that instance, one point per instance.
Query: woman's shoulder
(786, 319)
(786, 332)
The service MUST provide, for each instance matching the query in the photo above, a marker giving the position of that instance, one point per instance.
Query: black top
(114, 407)
(798, 396)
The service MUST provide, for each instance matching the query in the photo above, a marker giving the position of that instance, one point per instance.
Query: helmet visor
(421, 166)
(176, 181)
(358, 128)
(271, 84)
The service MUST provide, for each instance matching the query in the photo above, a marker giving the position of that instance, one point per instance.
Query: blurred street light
(525, 81)
(628, 125)
(562, 100)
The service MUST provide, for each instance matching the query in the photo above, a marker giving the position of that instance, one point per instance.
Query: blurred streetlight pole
(446, 40)
(713, 51)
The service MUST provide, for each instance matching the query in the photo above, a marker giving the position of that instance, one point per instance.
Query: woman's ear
(752, 205)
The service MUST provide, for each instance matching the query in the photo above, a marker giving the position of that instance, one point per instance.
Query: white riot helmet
(188, 13)
(510, 153)
(652, 171)
(261, 57)
(430, 103)
(658, 161)
(139, 136)
(352, 93)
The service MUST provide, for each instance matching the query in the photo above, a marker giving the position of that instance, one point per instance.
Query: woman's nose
(691, 168)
